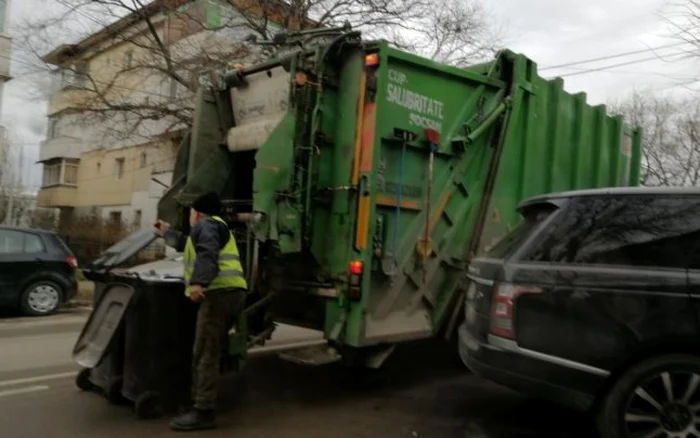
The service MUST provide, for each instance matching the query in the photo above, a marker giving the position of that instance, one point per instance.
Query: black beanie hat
(208, 204)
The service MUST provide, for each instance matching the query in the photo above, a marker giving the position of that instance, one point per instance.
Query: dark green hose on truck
(360, 179)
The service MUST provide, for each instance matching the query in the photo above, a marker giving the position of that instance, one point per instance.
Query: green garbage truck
(360, 180)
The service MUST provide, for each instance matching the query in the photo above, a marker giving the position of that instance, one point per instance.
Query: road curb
(78, 303)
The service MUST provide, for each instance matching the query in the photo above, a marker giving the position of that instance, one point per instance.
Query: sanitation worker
(214, 279)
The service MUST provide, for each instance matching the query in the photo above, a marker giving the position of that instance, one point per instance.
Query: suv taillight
(503, 306)
(72, 262)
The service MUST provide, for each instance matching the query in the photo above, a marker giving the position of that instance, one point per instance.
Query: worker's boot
(195, 419)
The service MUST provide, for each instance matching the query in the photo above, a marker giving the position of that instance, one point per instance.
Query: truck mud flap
(102, 325)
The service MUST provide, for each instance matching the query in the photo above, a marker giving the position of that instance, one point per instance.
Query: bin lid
(102, 325)
(167, 268)
(124, 249)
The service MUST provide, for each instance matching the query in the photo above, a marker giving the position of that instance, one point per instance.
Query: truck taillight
(502, 310)
(356, 267)
(355, 286)
(372, 59)
(72, 262)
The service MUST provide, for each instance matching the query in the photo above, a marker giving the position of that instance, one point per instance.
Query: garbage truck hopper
(361, 179)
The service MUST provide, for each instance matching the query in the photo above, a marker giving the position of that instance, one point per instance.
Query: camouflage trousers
(217, 314)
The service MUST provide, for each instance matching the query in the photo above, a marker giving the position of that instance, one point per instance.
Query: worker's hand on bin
(162, 227)
(197, 293)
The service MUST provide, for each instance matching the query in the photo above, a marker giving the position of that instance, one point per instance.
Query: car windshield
(533, 217)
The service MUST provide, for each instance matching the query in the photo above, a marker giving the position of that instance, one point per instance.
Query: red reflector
(72, 262)
(356, 267)
(503, 308)
(432, 135)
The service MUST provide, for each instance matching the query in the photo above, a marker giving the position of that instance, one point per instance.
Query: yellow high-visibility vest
(230, 268)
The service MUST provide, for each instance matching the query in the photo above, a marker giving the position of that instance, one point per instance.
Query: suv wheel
(657, 398)
(41, 298)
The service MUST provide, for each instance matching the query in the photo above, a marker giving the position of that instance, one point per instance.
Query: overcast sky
(552, 32)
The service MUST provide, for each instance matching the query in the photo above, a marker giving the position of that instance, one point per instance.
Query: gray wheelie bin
(140, 333)
(100, 348)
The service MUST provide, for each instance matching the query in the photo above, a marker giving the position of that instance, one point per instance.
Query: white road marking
(23, 323)
(36, 379)
(25, 390)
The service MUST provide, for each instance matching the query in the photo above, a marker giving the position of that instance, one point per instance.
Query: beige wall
(107, 71)
(98, 184)
(59, 196)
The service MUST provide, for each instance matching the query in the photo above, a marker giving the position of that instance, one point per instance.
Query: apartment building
(119, 166)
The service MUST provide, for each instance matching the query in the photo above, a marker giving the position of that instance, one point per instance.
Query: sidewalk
(84, 296)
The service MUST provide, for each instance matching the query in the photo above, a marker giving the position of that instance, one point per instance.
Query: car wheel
(657, 398)
(41, 298)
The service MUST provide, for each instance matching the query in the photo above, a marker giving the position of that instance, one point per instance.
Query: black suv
(37, 271)
(593, 301)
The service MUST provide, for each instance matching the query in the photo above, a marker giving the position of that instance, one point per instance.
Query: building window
(119, 168)
(66, 77)
(115, 217)
(52, 173)
(60, 171)
(137, 217)
(144, 160)
(53, 128)
(70, 173)
(99, 167)
(172, 92)
(129, 59)
(74, 76)
(82, 72)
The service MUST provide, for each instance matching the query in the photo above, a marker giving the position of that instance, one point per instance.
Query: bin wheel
(147, 405)
(114, 391)
(82, 380)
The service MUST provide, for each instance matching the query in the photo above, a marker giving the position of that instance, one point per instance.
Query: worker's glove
(162, 227)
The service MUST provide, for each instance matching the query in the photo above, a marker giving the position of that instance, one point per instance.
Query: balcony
(59, 183)
(60, 147)
(57, 196)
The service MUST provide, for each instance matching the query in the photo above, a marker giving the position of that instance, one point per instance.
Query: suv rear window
(533, 216)
(626, 230)
(63, 245)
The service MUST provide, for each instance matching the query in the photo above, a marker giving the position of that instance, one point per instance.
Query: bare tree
(15, 201)
(683, 17)
(150, 91)
(671, 127)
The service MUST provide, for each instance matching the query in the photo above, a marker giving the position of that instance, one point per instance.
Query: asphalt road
(422, 392)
